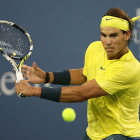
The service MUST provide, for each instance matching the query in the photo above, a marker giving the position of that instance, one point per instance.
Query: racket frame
(11, 59)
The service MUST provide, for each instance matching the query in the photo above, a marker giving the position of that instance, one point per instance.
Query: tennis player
(109, 80)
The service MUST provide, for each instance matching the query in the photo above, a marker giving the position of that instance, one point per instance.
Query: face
(114, 42)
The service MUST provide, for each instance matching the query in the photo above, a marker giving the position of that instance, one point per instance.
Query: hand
(34, 74)
(25, 88)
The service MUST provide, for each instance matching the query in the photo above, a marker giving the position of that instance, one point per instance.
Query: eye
(113, 35)
(103, 35)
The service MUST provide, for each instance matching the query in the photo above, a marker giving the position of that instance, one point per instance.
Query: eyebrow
(109, 34)
(102, 33)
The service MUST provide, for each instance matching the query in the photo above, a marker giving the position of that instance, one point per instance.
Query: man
(110, 81)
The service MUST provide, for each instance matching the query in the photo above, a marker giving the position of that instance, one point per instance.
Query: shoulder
(130, 63)
(95, 46)
(125, 71)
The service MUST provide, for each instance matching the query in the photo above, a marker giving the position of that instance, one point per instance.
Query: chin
(110, 55)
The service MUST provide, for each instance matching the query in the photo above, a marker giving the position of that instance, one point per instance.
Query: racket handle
(19, 77)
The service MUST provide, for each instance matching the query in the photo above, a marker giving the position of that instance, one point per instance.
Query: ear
(127, 35)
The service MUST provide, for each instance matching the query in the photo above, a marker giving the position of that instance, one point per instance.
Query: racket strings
(13, 40)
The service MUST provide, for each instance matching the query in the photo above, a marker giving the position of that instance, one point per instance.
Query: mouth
(109, 49)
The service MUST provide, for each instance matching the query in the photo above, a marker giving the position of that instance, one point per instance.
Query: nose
(108, 41)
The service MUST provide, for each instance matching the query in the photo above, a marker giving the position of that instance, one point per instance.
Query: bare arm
(77, 77)
(88, 90)
(36, 75)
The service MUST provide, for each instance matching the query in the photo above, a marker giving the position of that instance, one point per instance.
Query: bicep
(92, 89)
(88, 90)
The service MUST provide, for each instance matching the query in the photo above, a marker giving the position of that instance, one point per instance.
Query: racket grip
(19, 77)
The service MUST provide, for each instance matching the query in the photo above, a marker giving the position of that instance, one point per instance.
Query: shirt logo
(102, 68)
(108, 19)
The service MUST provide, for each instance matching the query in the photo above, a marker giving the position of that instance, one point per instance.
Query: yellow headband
(111, 21)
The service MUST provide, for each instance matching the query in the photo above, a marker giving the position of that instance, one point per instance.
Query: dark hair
(117, 12)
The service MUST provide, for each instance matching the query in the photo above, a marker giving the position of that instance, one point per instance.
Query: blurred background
(61, 31)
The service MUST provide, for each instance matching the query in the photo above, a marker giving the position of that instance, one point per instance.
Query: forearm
(36, 91)
(72, 94)
(75, 77)
(88, 90)
(62, 94)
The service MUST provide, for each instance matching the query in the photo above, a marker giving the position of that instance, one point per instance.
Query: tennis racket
(15, 45)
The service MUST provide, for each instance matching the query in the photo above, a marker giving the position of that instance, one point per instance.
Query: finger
(35, 66)
(18, 91)
(24, 75)
(23, 71)
(23, 82)
(16, 84)
(15, 87)
(26, 67)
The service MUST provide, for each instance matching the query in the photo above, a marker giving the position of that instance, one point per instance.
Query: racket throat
(18, 76)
